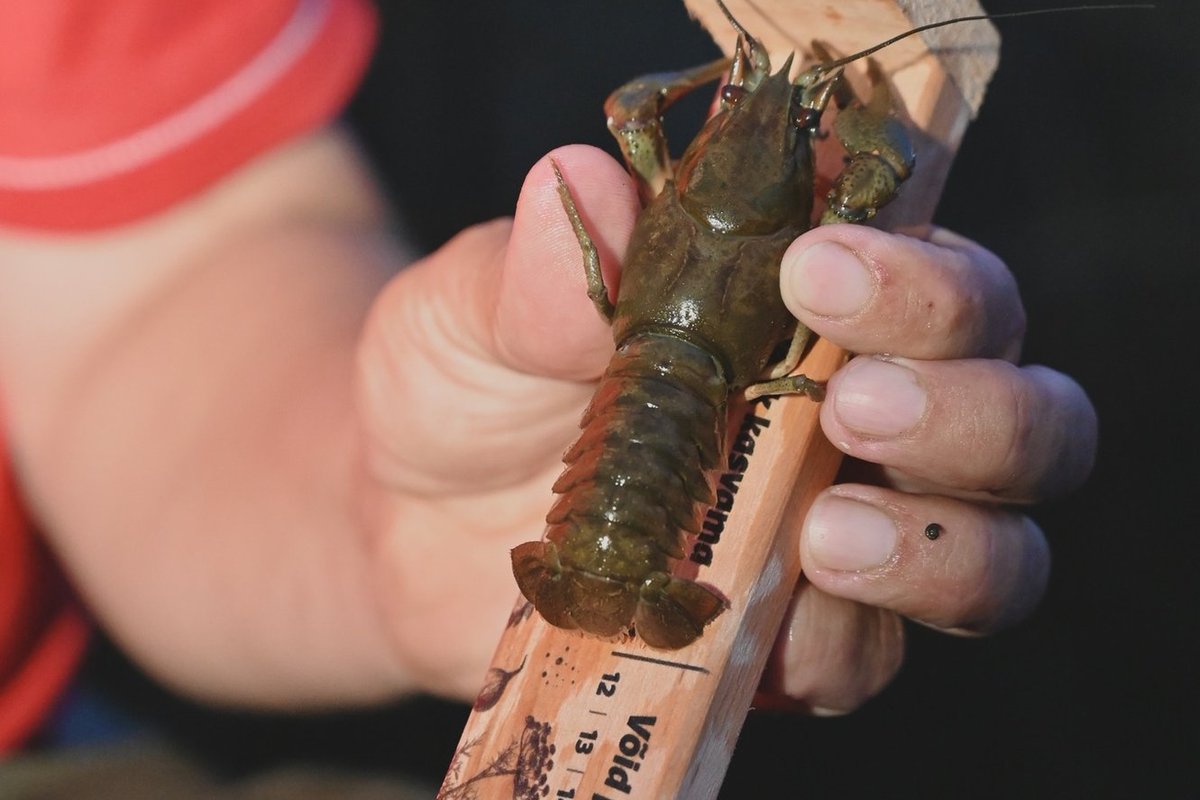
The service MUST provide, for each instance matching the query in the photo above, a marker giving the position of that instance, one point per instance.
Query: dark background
(1080, 173)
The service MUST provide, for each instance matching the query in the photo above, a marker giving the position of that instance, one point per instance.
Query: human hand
(957, 434)
(477, 361)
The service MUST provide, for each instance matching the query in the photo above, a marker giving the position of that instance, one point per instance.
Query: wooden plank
(563, 715)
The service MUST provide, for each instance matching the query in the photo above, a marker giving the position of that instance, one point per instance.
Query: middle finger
(971, 425)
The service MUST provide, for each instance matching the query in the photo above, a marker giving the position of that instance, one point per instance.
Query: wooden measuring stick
(565, 715)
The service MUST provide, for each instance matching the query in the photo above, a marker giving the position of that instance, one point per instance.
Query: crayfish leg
(673, 612)
(800, 340)
(596, 288)
(792, 384)
(635, 119)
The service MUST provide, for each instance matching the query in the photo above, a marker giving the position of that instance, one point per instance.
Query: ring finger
(973, 426)
(947, 563)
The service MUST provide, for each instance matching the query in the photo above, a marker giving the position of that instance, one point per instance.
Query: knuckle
(951, 302)
(1004, 316)
(1049, 438)
(984, 595)
(947, 313)
(1018, 434)
(1016, 574)
(1074, 453)
(969, 321)
(979, 311)
(1031, 574)
(1017, 323)
(984, 431)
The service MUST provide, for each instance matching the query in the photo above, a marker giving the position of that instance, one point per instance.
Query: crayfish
(697, 319)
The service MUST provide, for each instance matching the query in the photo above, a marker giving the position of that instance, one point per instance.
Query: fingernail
(828, 279)
(822, 711)
(879, 398)
(849, 536)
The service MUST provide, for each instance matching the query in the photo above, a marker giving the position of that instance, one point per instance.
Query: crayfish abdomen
(635, 480)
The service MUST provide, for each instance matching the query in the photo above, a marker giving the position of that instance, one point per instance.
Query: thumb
(544, 322)
(470, 364)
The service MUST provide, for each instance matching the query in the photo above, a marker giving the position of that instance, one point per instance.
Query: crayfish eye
(807, 119)
(732, 94)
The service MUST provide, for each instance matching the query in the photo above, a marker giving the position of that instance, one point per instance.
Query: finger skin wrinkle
(1000, 323)
(1050, 444)
(1015, 459)
(954, 582)
(994, 298)
(949, 315)
(984, 591)
(987, 570)
(1009, 581)
(991, 431)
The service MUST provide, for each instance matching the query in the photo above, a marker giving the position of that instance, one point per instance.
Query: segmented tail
(635, 480)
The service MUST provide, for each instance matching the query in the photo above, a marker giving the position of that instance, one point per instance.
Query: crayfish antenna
(841, 62)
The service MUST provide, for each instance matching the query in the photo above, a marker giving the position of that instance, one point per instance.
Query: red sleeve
(112, 110)
(42, 630)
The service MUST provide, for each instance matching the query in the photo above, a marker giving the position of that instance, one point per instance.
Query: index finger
(873, 292)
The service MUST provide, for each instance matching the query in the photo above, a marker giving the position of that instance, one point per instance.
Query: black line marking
(576, 771)
(662, 662)
(598, 713)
